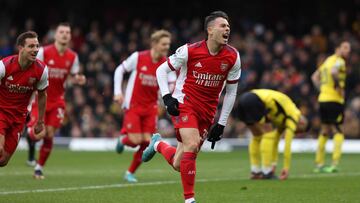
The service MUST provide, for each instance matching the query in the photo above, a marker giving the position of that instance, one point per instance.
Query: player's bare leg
(31, 152)
(44, 153)
(182, 158)
(143, 141)
(4, 156)
(130, 140)
(178, 155)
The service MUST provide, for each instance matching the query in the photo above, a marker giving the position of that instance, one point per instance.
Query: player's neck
(213, 47)
(155, 57)
(61, 48)
(24, 63)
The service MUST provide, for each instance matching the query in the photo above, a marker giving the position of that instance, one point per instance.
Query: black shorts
(251, 109)
(331, 112)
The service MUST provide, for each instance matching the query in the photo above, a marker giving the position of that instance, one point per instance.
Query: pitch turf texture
(221, 177)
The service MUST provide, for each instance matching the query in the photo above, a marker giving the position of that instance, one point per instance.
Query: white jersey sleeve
(126, 66)
(118, 79)
(171, 77)
(131, 62)
(75, 68)
(40, 54)
(228, 103)
(162, 73)
(179, 58)
(2, 70)
(235, 72)
(43, 83)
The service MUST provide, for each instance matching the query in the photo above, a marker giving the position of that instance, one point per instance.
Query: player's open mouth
(226, 36)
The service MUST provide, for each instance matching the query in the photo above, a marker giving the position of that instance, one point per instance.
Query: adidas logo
(10, 77)
(198, 65)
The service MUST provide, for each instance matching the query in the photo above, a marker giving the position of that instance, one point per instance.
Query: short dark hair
(20, 41)
(213, 16)
(66, 24)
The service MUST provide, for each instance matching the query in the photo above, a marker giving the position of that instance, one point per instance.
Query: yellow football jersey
(279, 107)
(328, 92)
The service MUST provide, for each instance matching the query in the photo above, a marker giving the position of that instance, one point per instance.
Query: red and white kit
(141, 95)
(60, 66)
(16, 88)
(200, 82)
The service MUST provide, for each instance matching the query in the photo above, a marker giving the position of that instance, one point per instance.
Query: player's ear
(209, 29)
(19, 47)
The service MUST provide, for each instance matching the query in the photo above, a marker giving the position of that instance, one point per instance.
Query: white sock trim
(266, 170)
(156, 145)
(38, 167)
(255, 169)
(190, 200)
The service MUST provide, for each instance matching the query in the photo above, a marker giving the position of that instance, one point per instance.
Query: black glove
(215, 134)
(172, 105)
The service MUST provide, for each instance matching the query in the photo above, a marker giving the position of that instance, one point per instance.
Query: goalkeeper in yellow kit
(330, 78)
(261, 106)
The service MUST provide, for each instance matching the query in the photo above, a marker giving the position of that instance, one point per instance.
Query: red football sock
(126, 141)
(188, 171)
(45, 150)
(136, 162)
(167, 151)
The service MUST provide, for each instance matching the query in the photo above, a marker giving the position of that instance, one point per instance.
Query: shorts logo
(129, 125)
(184, 118)
(223, 66)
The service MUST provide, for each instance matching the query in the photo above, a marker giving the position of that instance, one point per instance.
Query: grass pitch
(221, 177)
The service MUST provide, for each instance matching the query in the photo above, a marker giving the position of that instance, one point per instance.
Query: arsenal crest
(31, 81)
(223, 66)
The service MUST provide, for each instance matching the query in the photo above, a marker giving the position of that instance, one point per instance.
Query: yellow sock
(254, 153)
(338, 141)
(266, 148)
(320, 153)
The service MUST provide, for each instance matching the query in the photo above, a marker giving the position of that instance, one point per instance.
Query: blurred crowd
(272, 57)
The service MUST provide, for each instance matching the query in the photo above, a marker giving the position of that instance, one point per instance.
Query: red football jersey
(17, 86)
(142, 87)
(202, 75)
(60, 66)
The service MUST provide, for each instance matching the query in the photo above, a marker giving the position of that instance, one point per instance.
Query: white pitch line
(160, 183)
(107, 186)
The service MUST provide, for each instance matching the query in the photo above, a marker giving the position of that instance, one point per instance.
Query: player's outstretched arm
(217, 129)
(171, 103)
(118, 79)
(39, 128)
(315, 78)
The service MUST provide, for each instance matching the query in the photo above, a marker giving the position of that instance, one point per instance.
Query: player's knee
(192, 146)
(176, 167)
(136, 138)
(4, 162)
